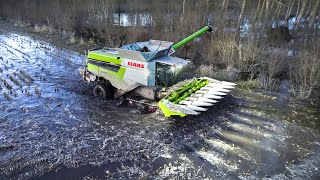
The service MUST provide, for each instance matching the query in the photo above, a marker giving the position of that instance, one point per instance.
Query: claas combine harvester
(137, 71)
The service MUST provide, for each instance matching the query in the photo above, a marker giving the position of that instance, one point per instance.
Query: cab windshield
(166, 75)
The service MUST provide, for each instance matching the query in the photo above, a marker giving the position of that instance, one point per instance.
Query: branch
(279, 2)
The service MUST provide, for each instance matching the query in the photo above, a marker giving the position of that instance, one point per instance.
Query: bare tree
(303, 6)
(314, 13)
(183, 6)
(277, 11)
(206, 11)
(289, 10)
(223, 12)
(240, 18)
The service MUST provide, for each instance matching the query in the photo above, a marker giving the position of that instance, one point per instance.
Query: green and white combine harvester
(140, 69)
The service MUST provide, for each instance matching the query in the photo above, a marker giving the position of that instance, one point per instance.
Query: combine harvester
(140, 70)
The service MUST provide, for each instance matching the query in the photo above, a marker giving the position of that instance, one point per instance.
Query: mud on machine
(140, 70)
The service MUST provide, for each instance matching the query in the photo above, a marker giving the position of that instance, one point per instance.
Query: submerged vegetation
(261, 42)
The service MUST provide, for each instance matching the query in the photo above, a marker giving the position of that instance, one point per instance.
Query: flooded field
(52, 127)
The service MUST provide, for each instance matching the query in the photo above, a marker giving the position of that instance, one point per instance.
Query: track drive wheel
(104, 91)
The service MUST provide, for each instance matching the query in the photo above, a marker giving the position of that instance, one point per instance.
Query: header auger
(139, 71)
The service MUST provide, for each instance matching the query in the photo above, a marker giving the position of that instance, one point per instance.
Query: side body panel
(129, 75)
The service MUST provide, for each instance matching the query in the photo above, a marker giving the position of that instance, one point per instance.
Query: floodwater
(51, 127)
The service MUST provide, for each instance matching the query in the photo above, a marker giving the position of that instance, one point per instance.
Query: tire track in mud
(24, 70)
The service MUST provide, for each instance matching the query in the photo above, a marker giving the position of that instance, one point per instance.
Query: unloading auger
(142, 70)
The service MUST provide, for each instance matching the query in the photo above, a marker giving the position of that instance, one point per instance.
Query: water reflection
(132, 19)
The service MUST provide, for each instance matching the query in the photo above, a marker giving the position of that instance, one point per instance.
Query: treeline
(260, 41)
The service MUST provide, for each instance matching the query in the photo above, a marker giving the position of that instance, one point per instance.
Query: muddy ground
(51, 127)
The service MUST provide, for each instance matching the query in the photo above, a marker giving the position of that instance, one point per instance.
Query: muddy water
(51, 127)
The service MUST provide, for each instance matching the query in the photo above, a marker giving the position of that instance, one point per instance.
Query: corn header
(140, 70)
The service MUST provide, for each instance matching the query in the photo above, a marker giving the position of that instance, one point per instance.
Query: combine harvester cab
(137, 69)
